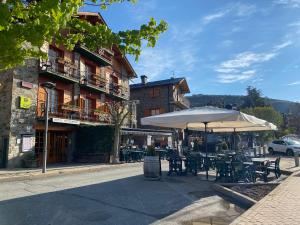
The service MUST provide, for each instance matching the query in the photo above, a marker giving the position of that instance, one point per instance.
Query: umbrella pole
(206, 149)
(234, 144)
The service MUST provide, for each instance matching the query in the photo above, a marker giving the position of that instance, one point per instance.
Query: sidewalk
(280, 207)
(17, 174)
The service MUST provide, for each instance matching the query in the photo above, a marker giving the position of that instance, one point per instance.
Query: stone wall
(6, 80)
(22, 120)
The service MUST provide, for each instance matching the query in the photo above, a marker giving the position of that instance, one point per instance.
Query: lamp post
(46, 86)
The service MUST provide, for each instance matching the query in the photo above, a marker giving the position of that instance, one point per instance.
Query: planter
(28, 163)
(72, 108)
(152, 167)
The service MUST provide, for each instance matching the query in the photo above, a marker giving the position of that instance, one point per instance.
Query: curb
(58, 172)
(235, 196)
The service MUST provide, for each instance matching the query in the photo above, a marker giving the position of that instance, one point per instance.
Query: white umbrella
(209, 117)
(204, 118)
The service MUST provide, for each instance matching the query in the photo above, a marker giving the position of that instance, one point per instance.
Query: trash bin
(296, 156)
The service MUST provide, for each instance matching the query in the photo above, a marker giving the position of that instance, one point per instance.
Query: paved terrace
(118, 195)
(280, 207)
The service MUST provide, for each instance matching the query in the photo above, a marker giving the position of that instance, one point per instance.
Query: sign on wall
(25, 102)
(28, 143)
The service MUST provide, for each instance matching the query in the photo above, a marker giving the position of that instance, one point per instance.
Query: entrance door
(58, 145)
(3, 152)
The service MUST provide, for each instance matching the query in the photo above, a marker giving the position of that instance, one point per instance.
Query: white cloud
(294, 24)
(226, 43)
(231, 78)
(237, 9)
(294, 83)
(239, 68)
(210, 18)
(161, 62)
(288, 3)
(246, 59)
(283, 45)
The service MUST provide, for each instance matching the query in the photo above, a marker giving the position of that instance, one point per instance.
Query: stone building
(86, 82)
(158, 97)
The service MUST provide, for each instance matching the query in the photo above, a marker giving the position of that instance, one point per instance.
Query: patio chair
(222, 170)
(262, 172)
(274, 166)
(175, 164)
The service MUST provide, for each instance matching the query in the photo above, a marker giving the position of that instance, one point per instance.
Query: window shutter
(81, 103)
(161, 110)
(146, 112)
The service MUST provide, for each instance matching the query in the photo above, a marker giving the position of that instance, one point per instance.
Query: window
(154, 112)
(154, 92)
(53, 103)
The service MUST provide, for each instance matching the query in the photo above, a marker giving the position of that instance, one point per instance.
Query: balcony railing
(119, 90)
(95, 80)
(60, 67)
(182, 101)
(74, 112)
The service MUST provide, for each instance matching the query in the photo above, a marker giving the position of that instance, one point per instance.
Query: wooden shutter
(147, 112)
(81, 103)
(161, 110)
(41, 101)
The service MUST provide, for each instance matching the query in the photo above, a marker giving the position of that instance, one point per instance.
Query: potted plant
(151, 164)
(29, 160)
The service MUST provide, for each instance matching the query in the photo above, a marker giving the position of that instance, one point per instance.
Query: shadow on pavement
(131, 200)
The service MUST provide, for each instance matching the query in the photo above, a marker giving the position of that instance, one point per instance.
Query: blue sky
(220, 46)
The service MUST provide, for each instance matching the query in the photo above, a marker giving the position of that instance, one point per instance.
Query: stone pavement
(280, 207)
(18, 174)
(119, 195)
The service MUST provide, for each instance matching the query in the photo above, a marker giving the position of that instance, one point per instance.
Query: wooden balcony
(119, 91)
(60, 68)
(182, 102)
(94, 81)
(101, 56)
(73, 112)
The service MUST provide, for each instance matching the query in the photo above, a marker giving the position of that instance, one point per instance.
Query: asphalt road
(112, 197)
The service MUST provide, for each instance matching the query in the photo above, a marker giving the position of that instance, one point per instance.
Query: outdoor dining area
(134, 154)
(228, 166)
(234, 165)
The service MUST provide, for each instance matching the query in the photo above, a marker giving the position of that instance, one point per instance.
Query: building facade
(86, 83)
(159, 97)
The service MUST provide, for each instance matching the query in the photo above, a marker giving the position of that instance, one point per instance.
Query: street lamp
(46, 86)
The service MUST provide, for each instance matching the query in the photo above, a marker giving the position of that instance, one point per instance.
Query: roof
(120, 57)
(171, 81)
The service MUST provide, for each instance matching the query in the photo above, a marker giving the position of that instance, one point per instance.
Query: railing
(74, 112)
(61, 67)
(183, 101)
(94, 79)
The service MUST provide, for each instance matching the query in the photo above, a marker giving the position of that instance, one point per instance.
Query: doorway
(58, 145)
(4, 152)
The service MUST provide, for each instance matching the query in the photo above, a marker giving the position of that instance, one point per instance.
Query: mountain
(281, 106)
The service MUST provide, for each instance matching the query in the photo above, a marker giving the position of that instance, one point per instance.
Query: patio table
(162, 153)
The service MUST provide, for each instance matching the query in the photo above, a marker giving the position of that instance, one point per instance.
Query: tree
(253, 98)
(119, 112)
(267, 113)
(25, 25)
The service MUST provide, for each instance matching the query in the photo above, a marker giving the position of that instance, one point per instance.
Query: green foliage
(267, 113)
(26, 25)
(253, 98)
(150, 150)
